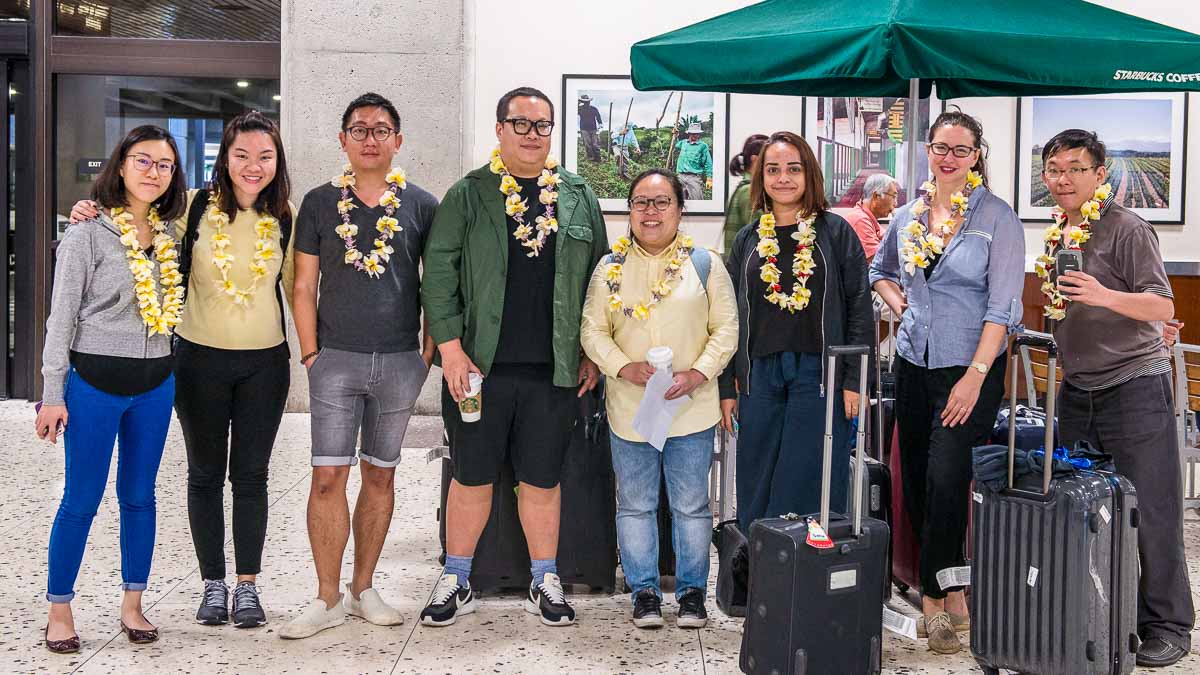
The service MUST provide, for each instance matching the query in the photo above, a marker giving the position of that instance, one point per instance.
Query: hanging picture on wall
(611, 132)
(856, 136)
(1144, 135)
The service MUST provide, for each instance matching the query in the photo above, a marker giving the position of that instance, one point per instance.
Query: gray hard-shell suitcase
(812, 610)
(1054, 572)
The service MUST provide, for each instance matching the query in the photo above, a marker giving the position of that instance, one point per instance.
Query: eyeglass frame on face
(142, 162)
(359, 130)
(1071, 172)
(951, 149)
(660, 203)
(533, 126)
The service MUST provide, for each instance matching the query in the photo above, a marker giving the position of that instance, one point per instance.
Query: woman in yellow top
(657, 289)
(231, 357)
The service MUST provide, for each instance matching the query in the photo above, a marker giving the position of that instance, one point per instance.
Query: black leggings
(936, 461)
(229, 404)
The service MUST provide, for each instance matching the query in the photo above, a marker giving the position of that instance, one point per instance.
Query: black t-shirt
(355, 312)
(526, 327)
(774, 329)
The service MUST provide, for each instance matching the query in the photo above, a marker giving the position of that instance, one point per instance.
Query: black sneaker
(449, 599)
(546, 598)
(1158, 653)
(247, 609)
(647, 609)
(214, 607)
(691, 610)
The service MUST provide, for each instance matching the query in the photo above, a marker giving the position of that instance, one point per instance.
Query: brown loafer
(139, 637)
(68, 646)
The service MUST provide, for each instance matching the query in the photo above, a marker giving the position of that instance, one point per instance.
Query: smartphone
(1067, 260)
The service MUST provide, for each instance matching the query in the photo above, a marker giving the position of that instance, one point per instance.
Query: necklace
(658, 291)
(516, 207)
(920, 248)
(266, 231)
(160, 317)
(386, 225)
(802, 262)
(1071, 237)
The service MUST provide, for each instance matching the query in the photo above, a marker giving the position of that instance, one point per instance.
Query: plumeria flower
(264, 249)
(514, 205)
(129, 238)
(551, 163)
(974, 180)
(398, 177)
(383, 250)
(522, 231)
(641, 312)
(372, 266)
(509, 185)
(547, 224)
(621, 246)
(1103, 192)
(958, 202)
(662, 287)
(222, 259)
(265, 227)
(767, 247)
(1090, 210)
(613, 272)
(1053, 233)
(930, 188)
(241, 298)
(220, 240)
(547, 197)
(389, 200)
(343, 181)
(258, 268)
(344, 206)
(228, 287)
(1078, 237)
(919, 209)
(686, 241)
(614, 302)
(914, 229)
(769, 273)
(387, 224)
(346, 230)
(353, 255)
(548, 179)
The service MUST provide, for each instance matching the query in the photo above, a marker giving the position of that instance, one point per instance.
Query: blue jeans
(97, 420)
(781, 440)
(686, 461)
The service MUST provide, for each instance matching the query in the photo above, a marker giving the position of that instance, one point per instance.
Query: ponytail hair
(742, 162)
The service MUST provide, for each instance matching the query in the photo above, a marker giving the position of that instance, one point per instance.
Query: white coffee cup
(660, 358)
(471, 407)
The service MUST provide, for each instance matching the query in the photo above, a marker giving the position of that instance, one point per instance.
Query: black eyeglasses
(660, 204)
(522, 126)
(943, 149)
(381, 134)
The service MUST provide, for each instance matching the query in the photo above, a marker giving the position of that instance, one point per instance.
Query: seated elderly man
(878, 201)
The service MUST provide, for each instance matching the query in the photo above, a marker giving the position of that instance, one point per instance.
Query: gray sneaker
(214, 606)
(247, 609)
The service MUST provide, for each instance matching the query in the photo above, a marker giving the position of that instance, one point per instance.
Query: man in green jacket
(694, 164)
(507, 264)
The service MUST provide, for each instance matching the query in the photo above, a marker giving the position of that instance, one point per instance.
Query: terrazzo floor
(498, 638)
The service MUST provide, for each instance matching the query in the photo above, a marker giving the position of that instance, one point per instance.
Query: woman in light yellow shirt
(657, 289)
(231, 356)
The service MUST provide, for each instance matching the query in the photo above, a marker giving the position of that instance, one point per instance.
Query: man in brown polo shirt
(1117, 391)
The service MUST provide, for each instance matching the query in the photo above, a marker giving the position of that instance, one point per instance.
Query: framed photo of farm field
(611, 132)
(1145, 136)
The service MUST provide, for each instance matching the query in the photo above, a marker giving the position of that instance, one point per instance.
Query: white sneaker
(371, 607)
(314, 619)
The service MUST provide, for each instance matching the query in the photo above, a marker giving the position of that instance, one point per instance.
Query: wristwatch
(981, 367)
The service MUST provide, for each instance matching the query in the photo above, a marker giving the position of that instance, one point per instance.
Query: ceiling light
(276, 97)
(242, 84)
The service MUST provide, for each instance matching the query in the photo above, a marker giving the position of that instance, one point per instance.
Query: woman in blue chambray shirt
(952, 267)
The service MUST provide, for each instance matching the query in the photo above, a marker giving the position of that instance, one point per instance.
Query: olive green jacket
(466, 265)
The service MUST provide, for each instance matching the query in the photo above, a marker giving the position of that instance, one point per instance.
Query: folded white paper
(655, 413)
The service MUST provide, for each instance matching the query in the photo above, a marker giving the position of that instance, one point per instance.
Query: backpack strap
(702, 261)
(190, 235)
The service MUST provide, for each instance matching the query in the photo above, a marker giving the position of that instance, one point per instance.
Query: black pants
(1135, 423)
(229, 404)
(936, 460)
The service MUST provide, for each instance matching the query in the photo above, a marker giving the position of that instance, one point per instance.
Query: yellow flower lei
(386, 225)
(658, 291)
(516, 207)
(267, 232)
(802, 262)
(1072, 237)
(919, 248)
(160, 317)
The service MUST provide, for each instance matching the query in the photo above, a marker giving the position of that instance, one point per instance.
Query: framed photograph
(1145, 137)
(857, 136)
(611, 132)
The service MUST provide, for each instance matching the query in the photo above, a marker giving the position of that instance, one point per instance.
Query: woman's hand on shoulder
(84, 209)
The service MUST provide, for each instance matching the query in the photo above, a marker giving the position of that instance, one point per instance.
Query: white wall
(577, 36)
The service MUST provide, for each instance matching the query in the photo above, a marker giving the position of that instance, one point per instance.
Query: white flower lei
(1071, 237)
(160, 317)
(267, 232)
(658, 291)
(802, 262)
(386, 225)
(919, 248)
(516, 207)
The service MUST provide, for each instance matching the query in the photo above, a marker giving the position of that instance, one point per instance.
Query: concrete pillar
(410, 51)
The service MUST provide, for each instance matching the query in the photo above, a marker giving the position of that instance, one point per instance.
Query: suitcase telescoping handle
(834, 352)
(1051, 348)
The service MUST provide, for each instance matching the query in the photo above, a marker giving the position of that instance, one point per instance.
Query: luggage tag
(899, 624)
(954, 576)
(817, 537)
(436, 453)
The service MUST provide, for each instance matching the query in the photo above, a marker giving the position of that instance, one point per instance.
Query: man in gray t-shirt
(359, 242)
(1117, 376)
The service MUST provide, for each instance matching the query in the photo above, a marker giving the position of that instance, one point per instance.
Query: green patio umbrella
(877, 47)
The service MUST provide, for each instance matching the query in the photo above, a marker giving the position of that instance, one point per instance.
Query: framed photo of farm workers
(611, 132)
(1145, 135)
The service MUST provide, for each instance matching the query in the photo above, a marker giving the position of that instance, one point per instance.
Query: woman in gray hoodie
(107, 369)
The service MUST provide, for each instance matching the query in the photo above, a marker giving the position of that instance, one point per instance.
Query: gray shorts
(363, 396)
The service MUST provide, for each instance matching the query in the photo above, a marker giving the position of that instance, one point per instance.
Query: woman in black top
(801, 282)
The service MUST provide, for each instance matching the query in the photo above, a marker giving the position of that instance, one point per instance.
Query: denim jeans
(685, 461)
(97, 420)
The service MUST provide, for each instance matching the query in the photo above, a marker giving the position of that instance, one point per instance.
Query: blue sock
(460, 565)
(539, 568)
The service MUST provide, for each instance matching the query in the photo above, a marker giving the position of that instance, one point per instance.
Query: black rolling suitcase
(818, 610)
(587, 543)
(1054, 575)
(733, 567)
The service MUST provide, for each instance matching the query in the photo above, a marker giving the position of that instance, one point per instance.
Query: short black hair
(671, 176)
(109, 188)
(371, 100)
(505, 100)
(1075, 138)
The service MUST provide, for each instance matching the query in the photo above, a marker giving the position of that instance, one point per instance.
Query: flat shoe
(68, 646)
(139, 637)
(962, 624)
(942, 638)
